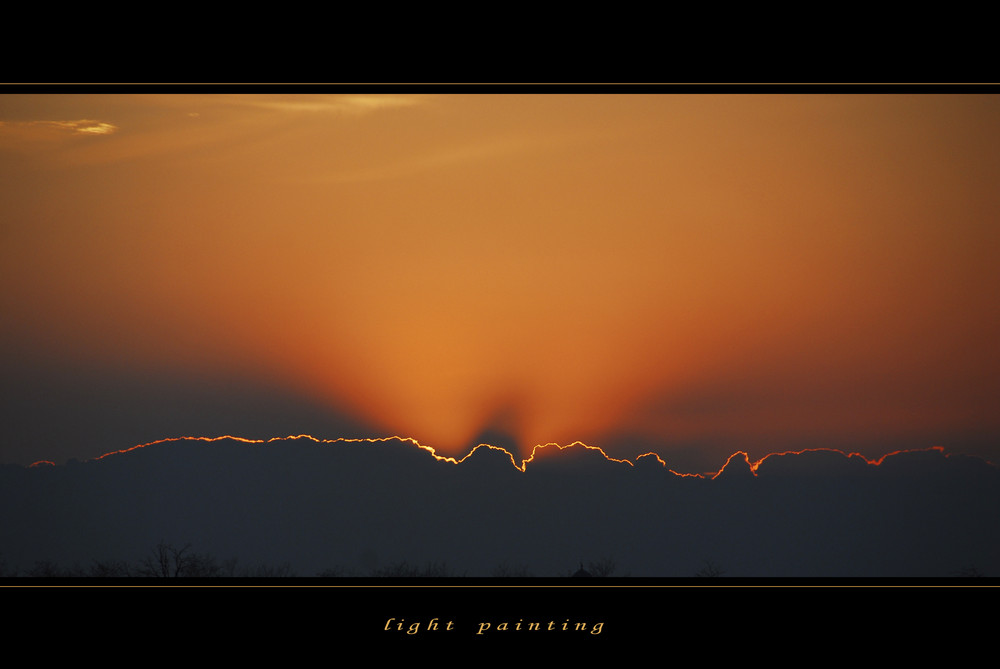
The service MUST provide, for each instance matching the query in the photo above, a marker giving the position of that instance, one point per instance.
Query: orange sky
(751, 268)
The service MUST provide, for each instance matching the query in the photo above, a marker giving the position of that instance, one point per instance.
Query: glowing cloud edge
(753, 466)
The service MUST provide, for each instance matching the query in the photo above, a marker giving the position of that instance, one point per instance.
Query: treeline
(164, 561)
(169, 561)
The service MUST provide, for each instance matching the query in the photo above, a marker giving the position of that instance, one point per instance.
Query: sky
(687, 274)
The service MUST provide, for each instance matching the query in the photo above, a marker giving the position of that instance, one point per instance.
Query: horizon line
(535, 451)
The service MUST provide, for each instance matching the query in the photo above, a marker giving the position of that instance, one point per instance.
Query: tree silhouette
(710, 570)
(603, 567)
(170, 562)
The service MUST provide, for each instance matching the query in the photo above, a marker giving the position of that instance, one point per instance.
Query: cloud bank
(358, 505)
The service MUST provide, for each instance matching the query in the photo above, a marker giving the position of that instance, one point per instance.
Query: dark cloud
(356, 506)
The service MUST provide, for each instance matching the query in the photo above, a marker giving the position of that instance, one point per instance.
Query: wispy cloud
(42, 130)
(340, 104)
(206, 119)
(84, 126)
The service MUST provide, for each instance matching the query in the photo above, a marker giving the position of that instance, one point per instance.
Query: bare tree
(603, 567)
(167, 561)
(710, 570)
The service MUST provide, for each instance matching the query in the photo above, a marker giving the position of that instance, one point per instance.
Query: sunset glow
(692, 275)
